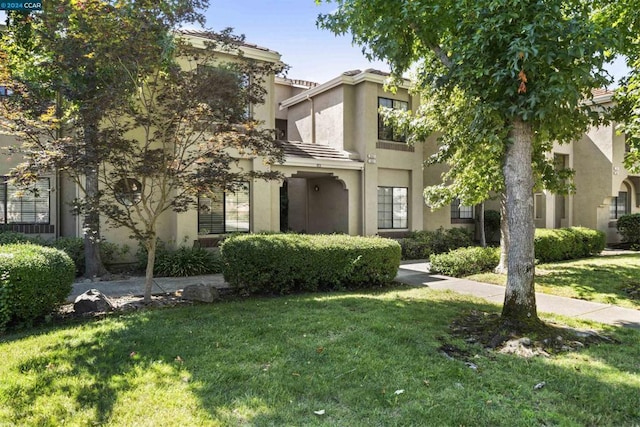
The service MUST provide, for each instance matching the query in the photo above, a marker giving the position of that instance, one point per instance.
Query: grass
(364, 359)
(610, 279)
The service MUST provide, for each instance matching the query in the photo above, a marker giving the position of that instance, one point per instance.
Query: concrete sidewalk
(414, 273)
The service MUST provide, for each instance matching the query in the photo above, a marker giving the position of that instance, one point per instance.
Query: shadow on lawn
(274, 361)
(614, 280)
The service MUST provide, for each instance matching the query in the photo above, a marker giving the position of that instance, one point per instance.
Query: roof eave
(342, 79)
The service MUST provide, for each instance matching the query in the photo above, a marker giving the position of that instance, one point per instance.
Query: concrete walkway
(414, 273)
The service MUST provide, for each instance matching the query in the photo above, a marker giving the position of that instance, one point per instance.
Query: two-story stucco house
(345, 171)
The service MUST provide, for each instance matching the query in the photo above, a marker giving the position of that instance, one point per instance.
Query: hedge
(284, 263)
(567, 243)
(465, 261)
(629, 228)
(422, 244)
(34, 280)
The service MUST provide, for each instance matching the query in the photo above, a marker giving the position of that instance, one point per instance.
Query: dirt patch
(125, 304)
(487, 329)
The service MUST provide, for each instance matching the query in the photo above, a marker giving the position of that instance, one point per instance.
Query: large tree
(531, 63)
(188, 127)
(71, 63)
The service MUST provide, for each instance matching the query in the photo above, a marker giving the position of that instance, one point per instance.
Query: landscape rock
(200, 292)
(92, 301)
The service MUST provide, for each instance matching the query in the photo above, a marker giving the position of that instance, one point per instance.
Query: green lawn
(358, 359)
(610, 279)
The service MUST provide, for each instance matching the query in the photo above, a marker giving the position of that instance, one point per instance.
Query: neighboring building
(605, 189)
(346, 172)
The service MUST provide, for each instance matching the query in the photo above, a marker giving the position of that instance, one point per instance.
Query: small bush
(74, 247)
(181, 262)
(567, 243)
(422, 244)
(629, 228)
(34, 280)
(9, 237)
(465, 261)
(283, 263)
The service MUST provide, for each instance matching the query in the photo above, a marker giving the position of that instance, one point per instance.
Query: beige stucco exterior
(337, 164)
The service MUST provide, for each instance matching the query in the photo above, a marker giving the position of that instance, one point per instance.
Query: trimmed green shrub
(284, 263)
(422, 244)
(74, 247)
(567, 243)
(465, 261)
(34, 280)
(629, 228)
(181, 262)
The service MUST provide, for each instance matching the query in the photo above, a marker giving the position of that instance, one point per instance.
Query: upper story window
(281, 128)
(393, 207)
(387, 132)
(224, 212)
(18, 206)
(460, 212)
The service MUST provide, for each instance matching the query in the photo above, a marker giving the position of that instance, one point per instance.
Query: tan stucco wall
(432, 175)
(593, 178)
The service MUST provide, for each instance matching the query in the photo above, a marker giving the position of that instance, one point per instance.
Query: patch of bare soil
(488, 330)
(124, 304)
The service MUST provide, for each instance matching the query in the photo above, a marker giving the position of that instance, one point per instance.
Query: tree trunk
(151, 259)
(519, 309)
(504, 236)
(93, 261)
(483, 234)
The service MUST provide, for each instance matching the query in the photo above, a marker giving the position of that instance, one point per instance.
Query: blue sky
(289, 27)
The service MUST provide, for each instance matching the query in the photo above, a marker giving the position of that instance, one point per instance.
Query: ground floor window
(224, 211)
(460, 211)
(392, 207)
(619, 205)
(20, 206)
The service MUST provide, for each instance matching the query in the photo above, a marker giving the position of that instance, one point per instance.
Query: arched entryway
(312, 202)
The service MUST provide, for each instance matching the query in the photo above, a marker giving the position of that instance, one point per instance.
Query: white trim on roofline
(343, 79)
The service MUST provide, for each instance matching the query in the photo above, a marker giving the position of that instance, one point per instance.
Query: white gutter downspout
(364, 199)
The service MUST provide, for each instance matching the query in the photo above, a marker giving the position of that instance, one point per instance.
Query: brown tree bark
(483, 234)
(519, 309)
(504, 236)
(94, 266)
(151, 260)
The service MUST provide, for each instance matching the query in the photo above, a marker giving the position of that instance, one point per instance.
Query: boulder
(200, 292)
(92, 301)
